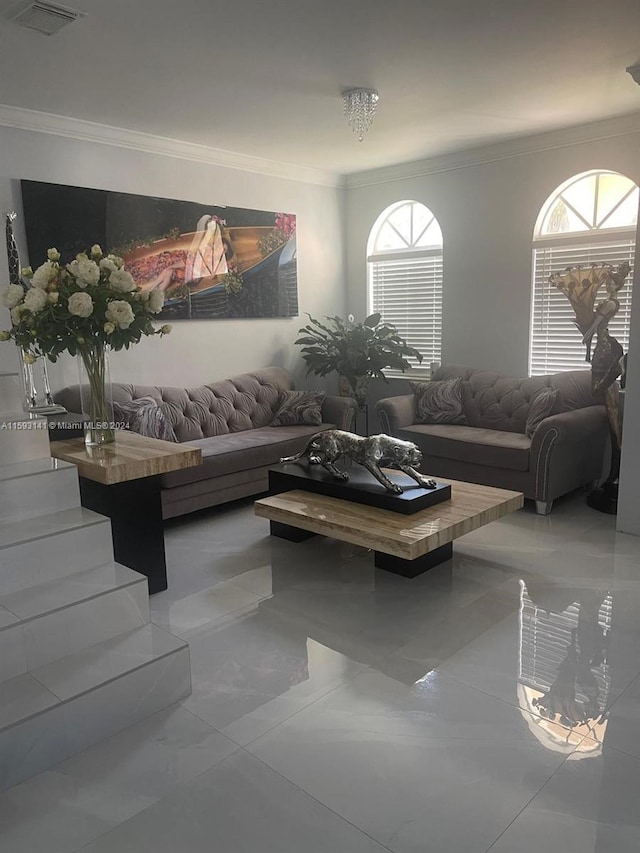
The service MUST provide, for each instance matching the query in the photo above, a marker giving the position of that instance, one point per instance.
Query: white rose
(96, 251)
(80, 304)
(117, 260)
(109, 328)
(120, 313)
(53, 254)
(35, 300)
(108, 264)
(43, 275)
(84, 271)
(13, 295)
(156, 301)
(53, 297)
(16, 314)
(121, 280)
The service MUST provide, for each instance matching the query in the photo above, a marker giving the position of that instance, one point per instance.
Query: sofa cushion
(145, 417)
(242, 451)
(489, 447)
(298, 408)
(439, 402)
(541, 407)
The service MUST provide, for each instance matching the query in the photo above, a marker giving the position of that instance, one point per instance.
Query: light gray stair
(47, 622)
(22, 437)
(79, 659)
(37, 487)
(52, 546)
(57, 710)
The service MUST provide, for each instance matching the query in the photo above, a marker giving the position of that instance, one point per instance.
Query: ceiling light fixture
(634, 70)
(360, 107)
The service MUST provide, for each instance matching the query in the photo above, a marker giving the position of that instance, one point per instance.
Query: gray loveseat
(229, 421)
(565, 452)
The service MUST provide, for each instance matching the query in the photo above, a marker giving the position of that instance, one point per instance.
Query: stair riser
(57, 733)
(38, 494)
(37, 642)
(52, 557)
(19, 444)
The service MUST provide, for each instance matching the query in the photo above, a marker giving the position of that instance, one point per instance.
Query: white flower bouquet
(84, 308)
(93, 302)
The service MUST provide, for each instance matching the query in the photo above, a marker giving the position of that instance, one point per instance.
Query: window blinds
(556, 343)
(408, 293)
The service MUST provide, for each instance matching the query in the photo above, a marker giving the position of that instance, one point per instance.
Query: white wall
(487, 211)
(196, 351)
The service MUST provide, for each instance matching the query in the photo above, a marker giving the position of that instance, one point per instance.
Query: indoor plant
(358, 352)
(84, 308)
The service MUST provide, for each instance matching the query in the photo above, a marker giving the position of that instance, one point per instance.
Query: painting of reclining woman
(211, 262)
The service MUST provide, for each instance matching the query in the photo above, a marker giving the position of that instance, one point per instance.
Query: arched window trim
(554, 343)
(413, 269)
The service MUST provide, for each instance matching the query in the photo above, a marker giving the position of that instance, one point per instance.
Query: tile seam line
(172, 790)
(320, 803)
(528, 803)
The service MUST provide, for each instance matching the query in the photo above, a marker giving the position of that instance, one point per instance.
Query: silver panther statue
(325, 448)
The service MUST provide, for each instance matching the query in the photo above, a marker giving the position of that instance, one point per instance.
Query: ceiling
(264, 77)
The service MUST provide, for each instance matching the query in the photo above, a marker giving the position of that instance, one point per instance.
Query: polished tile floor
(490, 704)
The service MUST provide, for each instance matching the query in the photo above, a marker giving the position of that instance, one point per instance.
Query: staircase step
(37, 487)
(67, 706)
(63, 616)
(23, 437)
(43, 549)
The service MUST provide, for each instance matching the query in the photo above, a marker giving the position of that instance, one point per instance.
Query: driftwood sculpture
(608, 362)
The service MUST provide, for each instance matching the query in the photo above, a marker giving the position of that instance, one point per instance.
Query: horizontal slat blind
(556, 343)
(408, 293)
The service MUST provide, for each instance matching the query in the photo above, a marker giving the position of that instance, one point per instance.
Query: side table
(122, 481)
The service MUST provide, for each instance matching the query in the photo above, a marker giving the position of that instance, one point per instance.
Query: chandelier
(360, 107)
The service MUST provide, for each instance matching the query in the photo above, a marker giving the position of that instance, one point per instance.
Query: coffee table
(122, 481)
(405, 545)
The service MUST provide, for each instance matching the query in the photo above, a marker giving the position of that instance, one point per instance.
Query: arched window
(405, 276)
(589, 219)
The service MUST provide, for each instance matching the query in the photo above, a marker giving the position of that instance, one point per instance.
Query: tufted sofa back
(493, 401)
(231, 405)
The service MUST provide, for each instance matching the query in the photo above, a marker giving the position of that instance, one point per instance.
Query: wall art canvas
(211, 262)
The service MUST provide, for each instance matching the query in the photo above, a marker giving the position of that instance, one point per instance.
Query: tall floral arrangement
(84, 308)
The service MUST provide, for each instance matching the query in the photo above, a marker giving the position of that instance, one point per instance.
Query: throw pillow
(439, 402)
(540, 408)
(299, 407)
(145, 417)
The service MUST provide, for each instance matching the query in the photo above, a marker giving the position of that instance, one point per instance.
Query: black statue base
(413, 568)
(361, 487)
(604, 499)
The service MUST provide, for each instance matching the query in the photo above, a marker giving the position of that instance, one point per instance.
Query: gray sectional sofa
(565, 452)
(229, 421)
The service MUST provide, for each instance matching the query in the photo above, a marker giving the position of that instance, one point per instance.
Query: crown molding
(519, 147)
(89, 131)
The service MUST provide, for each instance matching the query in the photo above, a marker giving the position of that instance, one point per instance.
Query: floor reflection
(564, 675)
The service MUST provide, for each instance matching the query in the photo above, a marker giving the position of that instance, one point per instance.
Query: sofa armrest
(396, 412)
(567, 451)
(341, 411)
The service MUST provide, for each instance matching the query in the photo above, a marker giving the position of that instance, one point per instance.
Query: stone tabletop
(130, 457)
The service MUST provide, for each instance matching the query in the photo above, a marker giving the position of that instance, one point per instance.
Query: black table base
(135, 510)
(388, 562)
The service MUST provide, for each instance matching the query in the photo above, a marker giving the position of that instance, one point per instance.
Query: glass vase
(95, 396)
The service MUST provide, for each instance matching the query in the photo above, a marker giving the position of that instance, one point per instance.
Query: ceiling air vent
(45, 18)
